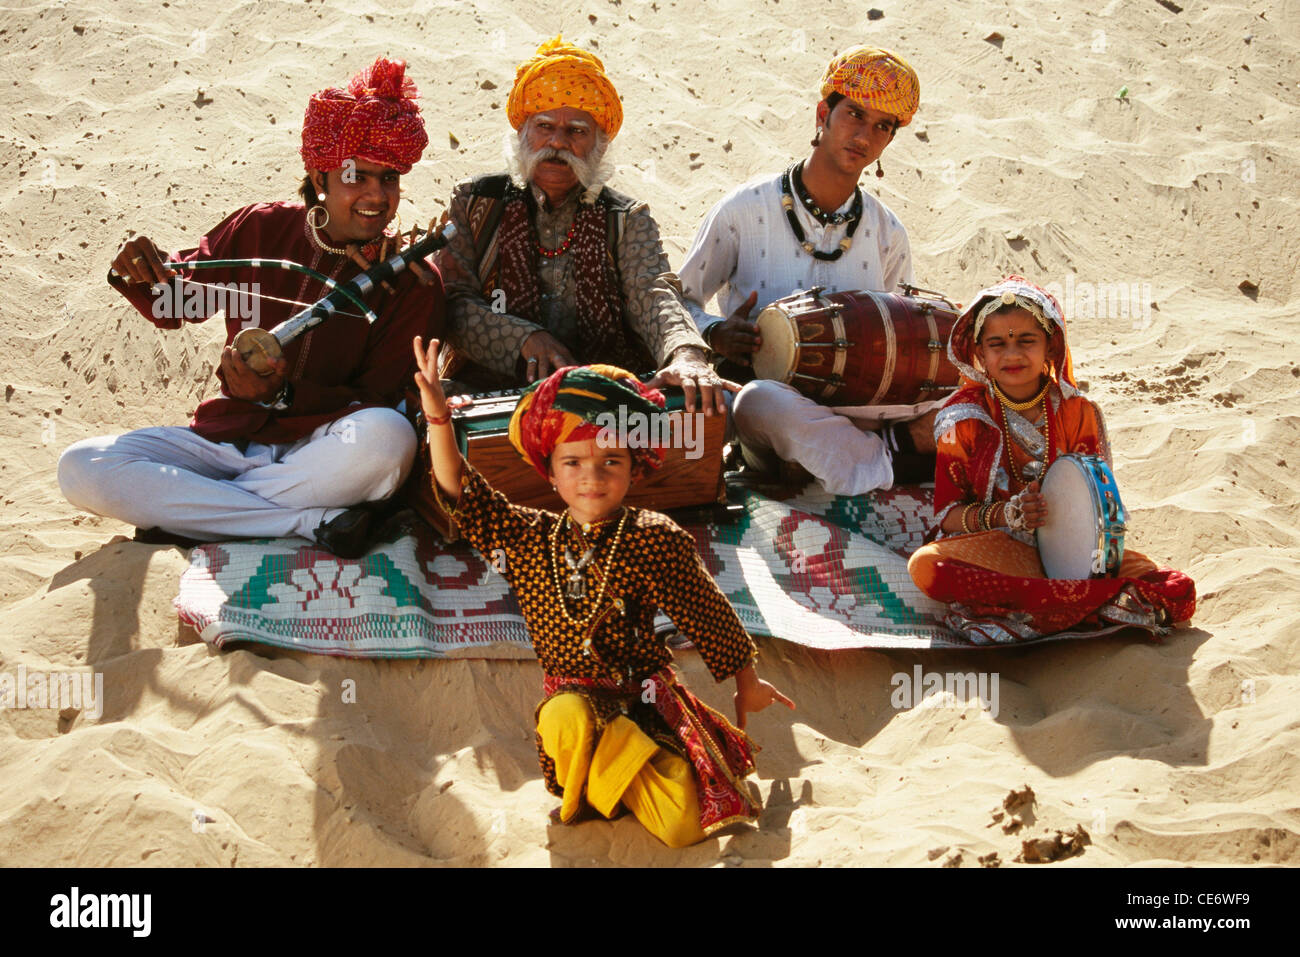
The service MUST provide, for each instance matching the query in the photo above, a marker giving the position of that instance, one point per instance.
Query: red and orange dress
(987, 452)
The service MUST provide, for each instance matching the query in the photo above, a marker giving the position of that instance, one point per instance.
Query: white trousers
(172, 478)
(772, 417)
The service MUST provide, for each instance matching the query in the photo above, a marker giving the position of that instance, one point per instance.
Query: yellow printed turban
(874, 78)
(560, 74)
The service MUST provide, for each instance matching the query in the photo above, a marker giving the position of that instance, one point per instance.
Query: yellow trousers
(625, 765)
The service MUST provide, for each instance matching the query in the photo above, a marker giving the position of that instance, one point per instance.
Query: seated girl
(615, 729)
(1018, 409)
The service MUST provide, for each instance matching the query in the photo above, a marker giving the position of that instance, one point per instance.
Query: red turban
(375, 119)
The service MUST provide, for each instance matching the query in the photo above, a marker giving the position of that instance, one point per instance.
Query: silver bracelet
(1014, 514)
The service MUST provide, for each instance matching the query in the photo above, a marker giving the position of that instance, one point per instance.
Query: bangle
(965, 513)
(442, 420)
(983, 519)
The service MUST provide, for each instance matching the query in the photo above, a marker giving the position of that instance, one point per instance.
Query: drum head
(775, 358)
(1067, 542)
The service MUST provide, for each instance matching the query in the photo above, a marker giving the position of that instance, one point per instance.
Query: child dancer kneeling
(615, 727)
(1019, 408)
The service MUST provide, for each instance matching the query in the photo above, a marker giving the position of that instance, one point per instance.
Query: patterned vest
(505, 252)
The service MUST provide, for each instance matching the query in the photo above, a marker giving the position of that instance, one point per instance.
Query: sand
(163, 118)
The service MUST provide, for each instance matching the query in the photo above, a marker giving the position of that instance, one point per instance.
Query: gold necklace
(604, 581)
(1029, 473)
(1020, 406)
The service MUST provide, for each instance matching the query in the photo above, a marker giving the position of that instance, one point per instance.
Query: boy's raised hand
(753, 694)
(432, 398)
(444, 454)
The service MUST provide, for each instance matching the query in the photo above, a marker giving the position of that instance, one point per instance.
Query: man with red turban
(812, 225)
(549, 266)
(293, 451)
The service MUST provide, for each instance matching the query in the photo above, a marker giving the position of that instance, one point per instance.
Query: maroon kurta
(340, 366)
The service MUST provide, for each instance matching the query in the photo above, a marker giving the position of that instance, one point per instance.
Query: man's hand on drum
(736, 337)
(688, 368)
(141, 261)
(242, 382)
(1033, 506)
(543, 354)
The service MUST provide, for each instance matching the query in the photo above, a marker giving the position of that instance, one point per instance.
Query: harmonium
(691, 474)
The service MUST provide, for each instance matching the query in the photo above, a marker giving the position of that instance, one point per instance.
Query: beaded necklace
(826, 219)
(787, 203)
(560, 249)
(320, 243)
(1035, 469)
(313, 233)
(604, 580)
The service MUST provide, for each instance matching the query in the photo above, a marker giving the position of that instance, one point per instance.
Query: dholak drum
(859, 348)
(1086, 521)
(691, 474)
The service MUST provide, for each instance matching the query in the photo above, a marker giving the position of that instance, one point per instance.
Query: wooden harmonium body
(691, 474)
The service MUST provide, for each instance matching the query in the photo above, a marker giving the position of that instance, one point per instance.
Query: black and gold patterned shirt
(655, 567)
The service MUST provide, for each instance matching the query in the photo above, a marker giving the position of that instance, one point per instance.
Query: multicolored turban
(375, 119)
(875, 78)
(1014, 291)
(560, 74)
(578, 402)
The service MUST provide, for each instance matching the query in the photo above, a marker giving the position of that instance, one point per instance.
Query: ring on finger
(136, 259)
(532, 360)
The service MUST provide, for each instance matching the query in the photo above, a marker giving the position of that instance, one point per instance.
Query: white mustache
(592, 171)
(581, 168)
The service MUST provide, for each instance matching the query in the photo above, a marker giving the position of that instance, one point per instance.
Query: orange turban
(874, 78)
(560, 74)
(375, 119)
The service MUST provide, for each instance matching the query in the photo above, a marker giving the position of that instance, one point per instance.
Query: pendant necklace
(577, 580)
(577, 586)
(1035, 469)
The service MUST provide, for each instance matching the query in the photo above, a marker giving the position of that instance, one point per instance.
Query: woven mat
(818, 570)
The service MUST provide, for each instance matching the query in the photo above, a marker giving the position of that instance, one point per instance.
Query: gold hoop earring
(314, 229)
